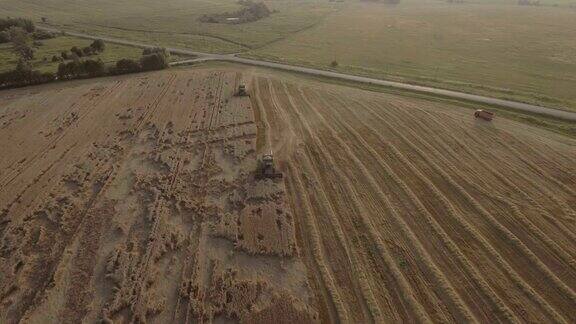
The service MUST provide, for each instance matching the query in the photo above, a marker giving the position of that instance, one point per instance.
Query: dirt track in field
(132, 199)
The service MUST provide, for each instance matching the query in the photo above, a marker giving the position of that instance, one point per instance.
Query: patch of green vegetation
(402, 263)
(251, 11)
(43, 54)
(54, 47)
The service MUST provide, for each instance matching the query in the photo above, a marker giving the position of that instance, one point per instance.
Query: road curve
(556, 113)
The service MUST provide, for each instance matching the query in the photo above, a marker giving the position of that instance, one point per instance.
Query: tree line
(23, 75)
(26, 24)
(76, 53)
(12, 26)
(152, 59)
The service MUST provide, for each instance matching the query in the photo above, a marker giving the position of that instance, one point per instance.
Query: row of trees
(156, 59)
(94, 68)
(25, 24)
(23, 75)
(78, 69)
(97, 47)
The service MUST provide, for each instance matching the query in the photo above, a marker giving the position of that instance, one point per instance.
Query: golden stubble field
(132, 199)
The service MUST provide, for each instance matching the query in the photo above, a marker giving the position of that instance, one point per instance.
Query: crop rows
(434, 216)
(133, 199)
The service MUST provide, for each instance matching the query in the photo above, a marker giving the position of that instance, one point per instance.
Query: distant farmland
(173, 22)
(494, 48)
(519, 53)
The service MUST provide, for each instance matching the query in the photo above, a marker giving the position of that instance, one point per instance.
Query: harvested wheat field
(133, 199)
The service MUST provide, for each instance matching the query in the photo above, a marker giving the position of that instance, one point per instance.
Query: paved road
(398, 85)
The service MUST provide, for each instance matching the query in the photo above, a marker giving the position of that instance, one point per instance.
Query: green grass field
(519, 53)
(55, 46)
(489, 47)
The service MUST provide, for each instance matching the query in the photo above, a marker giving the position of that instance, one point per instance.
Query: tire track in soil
(141, 123)
(190, 264)
(78, 296)
(137, 141)
(324, 206)
(307, 230)
(200, 181)
(48, 269)
(159, 210)
(343, 314)
(193, 238)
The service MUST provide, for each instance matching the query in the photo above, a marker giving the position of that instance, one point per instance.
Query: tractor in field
(266, 169)
(484, 114)
(242, 92)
